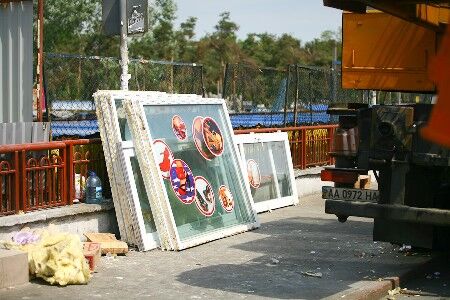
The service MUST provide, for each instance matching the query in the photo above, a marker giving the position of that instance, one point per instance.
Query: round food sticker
(254, 176)
(164, 157)
(212, 136)
(204, 196)
(179, 127)
(226, 199)
(197, 136)
(182, 181)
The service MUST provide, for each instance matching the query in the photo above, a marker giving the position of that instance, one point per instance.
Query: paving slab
(298, 253)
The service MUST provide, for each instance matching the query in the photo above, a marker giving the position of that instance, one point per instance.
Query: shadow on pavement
(341, 253)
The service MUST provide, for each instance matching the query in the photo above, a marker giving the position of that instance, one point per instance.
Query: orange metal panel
(382, 52)
(435, 15)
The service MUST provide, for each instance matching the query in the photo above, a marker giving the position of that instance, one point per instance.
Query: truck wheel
(342, 219)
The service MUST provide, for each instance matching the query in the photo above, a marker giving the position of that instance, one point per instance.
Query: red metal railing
(42, 175)
(310, 145)
(9, 189)
(87, 154)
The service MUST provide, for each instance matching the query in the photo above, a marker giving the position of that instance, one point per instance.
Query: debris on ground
(92, 252)
(24, 237)
(55, 257)
(312, 274)
(394, 292)
(405, 248)
(108, 242)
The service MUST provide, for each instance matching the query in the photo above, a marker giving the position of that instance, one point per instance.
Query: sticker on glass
(197, 136)
(204, 196)
(226, 199)
(212, 136)
(254, 176)
(179, 127)
(164, 157)
(182, 181)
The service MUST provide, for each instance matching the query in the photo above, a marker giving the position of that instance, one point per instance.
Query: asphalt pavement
(299, 252)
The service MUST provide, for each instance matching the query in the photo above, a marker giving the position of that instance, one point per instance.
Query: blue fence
(317, 115)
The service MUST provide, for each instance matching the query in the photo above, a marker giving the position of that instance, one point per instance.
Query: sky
(304, 19)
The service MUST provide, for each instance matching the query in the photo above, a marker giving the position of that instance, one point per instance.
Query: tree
(217, 49)
(184, 40)
(320, 50)
(67, 23)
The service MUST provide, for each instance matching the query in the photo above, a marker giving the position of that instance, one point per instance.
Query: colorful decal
(204, 198)
(212, 136)
(197, 136)
(182, 180)
(254, 176)
(226, 199)
(179, 127)
(164, 157)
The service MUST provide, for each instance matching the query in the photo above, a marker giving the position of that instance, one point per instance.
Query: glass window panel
(142, 194)
(218, 171)
(258, 161)
(282, 168)
(125, 133)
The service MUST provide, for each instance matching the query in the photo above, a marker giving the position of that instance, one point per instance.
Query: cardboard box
(13, 268)
(92, 253)
(108, 242)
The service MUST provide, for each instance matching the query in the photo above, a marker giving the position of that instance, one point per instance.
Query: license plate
(333, 193)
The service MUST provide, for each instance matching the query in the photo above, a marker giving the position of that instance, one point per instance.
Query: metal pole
(40, 60)
(296, 95)
(286, 95)
(123, 46)
(373, 98)
(334, 72)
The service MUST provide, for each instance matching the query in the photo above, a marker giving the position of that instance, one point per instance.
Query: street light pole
(123, 46)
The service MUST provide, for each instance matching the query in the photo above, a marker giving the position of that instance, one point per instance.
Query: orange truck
(394, 46)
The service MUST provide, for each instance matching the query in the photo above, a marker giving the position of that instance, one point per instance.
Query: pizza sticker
(182, 181)
(164, 157)
(179, 128)
(197, 136)
(254, 176)
(204, 198)
(226, 198)
(212, 136)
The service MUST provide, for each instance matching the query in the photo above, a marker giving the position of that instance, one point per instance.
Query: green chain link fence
(71, 80)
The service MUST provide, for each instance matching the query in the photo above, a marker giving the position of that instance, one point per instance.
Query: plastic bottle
(93, 189)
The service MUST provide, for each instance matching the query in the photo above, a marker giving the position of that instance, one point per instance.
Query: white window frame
(153, 179)
(131, 229)
(255, 138)
(150, 240)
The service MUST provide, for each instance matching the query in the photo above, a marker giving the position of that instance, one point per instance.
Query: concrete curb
(375, 290)
(55, 213)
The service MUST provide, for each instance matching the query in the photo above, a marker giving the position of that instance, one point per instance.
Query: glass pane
(282, 168)
(142, 194)
(122, 119)
(193, 169)
(259, 170)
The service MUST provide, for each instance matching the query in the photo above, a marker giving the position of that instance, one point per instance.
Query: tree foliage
(75, 27)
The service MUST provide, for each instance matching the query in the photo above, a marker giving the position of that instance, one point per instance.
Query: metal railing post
(16, 182)
(303, 131)
(70, 174)
(24, 180)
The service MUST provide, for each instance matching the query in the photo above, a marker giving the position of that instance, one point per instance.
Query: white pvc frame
(150, 240)
(255, 138)
(128, 213)
(153, 179)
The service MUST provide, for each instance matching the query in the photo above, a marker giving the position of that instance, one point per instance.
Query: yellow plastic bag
(56, 257)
